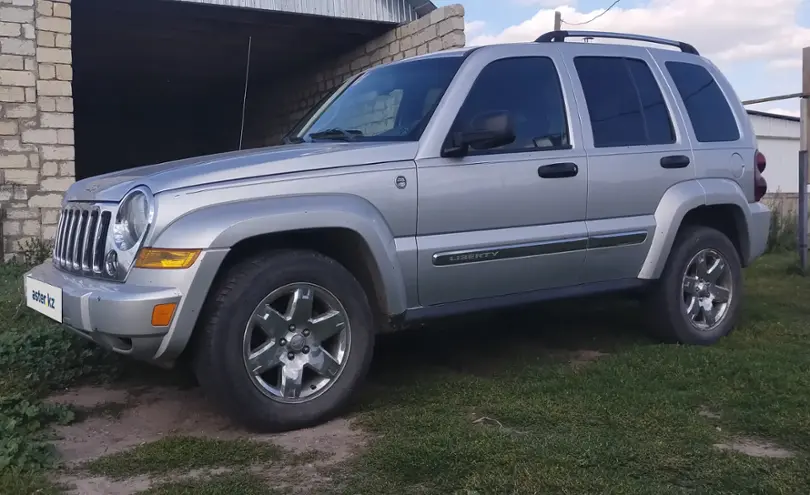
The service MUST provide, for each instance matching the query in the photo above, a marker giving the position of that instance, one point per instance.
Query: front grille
(81, 239)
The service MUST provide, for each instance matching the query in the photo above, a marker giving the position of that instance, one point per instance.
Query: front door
(506, 220)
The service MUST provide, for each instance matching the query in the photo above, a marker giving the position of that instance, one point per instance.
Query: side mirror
(486, 131)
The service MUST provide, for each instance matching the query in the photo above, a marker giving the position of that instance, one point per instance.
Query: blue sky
(757, 44)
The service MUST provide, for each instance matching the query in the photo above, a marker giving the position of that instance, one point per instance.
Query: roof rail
(561, 35)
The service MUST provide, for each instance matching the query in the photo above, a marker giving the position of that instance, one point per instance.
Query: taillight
(760, 184)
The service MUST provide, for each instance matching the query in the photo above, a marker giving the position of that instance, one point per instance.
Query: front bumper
(759, 227)
(118, 316)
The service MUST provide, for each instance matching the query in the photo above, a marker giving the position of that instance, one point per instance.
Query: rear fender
(677, 202)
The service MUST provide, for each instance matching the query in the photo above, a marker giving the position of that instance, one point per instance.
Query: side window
(705, 103)
(529, 89)
(624, 102)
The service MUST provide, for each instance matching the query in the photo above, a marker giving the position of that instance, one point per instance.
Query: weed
(14, 481)
(783, 233)
(35, 250)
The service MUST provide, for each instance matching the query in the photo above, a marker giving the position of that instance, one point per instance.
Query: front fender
(221, 226)
(679, 200)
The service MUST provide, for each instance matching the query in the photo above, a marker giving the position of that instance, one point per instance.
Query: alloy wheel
(297, 342)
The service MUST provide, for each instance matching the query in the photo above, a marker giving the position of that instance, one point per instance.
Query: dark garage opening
(159, 80)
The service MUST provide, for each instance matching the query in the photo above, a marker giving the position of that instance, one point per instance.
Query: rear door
(720, 132)
(633, 135)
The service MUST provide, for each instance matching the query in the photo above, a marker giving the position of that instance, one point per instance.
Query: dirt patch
(494, 423)
(755, 448)
(101, 485)
(90, 397)
(708, 413)
(80, 485)
(149, 414)
(580, 358)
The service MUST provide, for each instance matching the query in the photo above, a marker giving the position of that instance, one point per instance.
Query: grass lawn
(628, 422)
(495, 405)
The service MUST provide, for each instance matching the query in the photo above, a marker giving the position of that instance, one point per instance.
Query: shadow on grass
(503, 342)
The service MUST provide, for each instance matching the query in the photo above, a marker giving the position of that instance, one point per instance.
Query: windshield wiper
(292, 140)
(337, 133)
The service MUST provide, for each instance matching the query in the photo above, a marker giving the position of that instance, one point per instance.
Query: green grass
(224, 484)
(627, 422)
(182, 454)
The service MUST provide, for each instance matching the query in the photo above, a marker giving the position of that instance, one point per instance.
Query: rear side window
(705, 103)
(624, 102)
(529, 89)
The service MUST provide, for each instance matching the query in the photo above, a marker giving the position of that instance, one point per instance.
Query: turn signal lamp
(167, 259)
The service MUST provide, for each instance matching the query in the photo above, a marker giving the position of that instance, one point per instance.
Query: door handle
(558, 170)
(675, 161)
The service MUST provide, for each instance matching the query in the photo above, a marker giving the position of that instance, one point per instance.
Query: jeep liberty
(442, 184)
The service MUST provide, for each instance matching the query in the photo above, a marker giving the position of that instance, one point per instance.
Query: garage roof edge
(422, 7)
(770, 115)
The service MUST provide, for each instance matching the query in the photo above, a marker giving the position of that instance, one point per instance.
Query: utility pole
(557, 21)
(803, 162)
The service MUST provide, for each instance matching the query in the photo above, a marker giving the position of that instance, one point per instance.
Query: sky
(756, 43)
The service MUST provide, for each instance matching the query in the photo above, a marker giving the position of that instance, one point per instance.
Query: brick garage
(52, 52)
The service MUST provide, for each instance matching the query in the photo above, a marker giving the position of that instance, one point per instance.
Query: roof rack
(561, 35)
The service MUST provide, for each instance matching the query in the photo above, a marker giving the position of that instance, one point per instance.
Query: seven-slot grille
(81, 239)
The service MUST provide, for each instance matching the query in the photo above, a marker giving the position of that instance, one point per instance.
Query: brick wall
(284, 105)
(36, 124)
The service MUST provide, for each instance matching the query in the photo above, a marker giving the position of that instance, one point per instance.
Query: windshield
(388, 103)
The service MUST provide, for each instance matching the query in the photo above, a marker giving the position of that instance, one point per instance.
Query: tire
(220, 363)
(669, 302)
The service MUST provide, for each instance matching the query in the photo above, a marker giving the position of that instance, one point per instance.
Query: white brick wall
(36, 120)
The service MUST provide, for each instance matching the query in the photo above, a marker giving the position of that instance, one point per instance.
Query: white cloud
(474, 27)
(725, 30)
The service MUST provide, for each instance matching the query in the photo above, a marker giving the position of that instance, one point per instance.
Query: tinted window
(529, 89)
(706, 105)
(624, 102)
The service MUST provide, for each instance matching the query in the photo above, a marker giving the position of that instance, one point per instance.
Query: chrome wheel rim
(707, 290)
(296, 343)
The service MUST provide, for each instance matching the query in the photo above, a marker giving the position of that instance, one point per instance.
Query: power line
(597, 16)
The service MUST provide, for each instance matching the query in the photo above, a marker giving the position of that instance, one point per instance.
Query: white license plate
(44, 298)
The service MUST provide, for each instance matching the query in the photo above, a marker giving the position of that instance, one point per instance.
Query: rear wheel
(287, 340)
(697, 298)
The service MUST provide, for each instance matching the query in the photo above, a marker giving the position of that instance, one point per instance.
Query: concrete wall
(36, 128)
(36, 103)
(283, 105)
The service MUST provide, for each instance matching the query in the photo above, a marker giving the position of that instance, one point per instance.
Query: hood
(237, 165)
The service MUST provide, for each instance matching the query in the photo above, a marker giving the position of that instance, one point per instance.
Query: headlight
(133, 218)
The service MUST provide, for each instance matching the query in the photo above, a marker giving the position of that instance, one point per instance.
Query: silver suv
(442, 184)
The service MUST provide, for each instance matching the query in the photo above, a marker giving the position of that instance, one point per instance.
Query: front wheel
(287, 340)
(697, 298)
